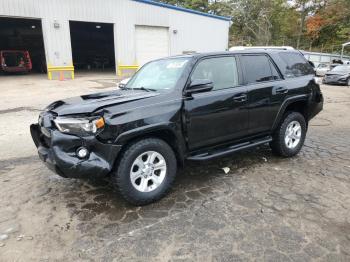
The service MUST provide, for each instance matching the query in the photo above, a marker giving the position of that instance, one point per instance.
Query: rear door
(266, 91)
(219, 115)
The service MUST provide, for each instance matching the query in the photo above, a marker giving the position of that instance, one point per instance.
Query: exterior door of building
(152, 42)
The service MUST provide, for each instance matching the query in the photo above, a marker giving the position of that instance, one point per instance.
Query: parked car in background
(322, 69)
(15, 61)
(191, 107)
(335, 63)
(339, 75)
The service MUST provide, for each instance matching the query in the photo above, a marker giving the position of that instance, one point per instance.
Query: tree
(252, 18)
(330, 26)
(322, 24)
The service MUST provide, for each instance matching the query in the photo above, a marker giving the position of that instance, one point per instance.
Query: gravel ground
(265, 209)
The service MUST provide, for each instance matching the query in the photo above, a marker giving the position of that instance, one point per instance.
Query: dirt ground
(265, 209)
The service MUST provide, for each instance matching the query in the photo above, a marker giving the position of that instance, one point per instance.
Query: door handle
(240, 98)
(279, 90)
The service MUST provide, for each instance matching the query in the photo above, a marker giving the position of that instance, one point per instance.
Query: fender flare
(285, 104)
(179, 145)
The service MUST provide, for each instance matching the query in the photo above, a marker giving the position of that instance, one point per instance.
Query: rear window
(11, 59)
(258, 68)
(295, 65)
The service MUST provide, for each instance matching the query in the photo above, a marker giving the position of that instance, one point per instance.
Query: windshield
(341, 68)
(158, 75)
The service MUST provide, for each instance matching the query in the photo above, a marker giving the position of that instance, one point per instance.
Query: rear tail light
(27, 60)
(2, 59)
(26, 56)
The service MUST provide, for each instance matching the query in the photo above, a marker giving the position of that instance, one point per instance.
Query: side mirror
(199, 86)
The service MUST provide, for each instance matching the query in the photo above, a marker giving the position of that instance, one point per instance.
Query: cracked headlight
(79, 126)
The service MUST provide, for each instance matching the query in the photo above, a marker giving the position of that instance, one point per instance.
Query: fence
(323, 58)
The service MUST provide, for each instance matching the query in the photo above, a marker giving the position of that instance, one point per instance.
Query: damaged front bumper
(59, 152)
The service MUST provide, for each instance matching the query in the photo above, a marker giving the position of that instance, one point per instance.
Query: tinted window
(295, 65)
(222, 71)
(258, 68)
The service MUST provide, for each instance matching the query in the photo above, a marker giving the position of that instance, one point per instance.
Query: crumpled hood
(87, 104)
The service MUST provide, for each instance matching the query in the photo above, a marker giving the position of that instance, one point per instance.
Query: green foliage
(319, 25)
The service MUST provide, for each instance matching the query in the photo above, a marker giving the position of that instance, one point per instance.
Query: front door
(219, 115)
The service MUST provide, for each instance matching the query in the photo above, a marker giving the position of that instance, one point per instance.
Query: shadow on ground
(97, 197)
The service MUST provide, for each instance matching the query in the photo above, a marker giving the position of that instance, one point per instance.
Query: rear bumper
(316, 105)
(58, 152)
(16, 69)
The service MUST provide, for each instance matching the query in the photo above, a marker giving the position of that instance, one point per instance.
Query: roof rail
(238, 48)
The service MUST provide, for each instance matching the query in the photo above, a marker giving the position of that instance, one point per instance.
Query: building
(102, 34)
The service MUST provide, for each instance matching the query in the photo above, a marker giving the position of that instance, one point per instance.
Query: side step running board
(230, 149)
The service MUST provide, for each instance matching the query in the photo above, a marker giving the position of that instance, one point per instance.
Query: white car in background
(322, 69)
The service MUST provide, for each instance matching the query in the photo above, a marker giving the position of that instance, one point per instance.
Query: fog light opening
(82, 152)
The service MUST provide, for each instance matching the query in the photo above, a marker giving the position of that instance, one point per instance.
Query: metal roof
(182, 9)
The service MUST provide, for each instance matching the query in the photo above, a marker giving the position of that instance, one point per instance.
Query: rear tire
(145, 171)
(289, 136)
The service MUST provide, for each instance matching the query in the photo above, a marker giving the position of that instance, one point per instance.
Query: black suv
(193, 107)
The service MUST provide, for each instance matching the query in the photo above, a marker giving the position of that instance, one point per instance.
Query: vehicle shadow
(96, 198)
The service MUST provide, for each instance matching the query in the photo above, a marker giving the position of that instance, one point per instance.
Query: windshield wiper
(145, 89)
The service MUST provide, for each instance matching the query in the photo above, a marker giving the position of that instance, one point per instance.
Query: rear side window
(258, 68)
(295, 65)
(222, 71)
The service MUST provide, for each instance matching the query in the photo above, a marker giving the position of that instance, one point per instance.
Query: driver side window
(222, 71)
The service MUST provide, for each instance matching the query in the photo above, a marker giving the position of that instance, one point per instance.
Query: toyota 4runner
(191, 107)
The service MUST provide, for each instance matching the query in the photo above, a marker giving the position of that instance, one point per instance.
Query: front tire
(145, 171)
(289, 137)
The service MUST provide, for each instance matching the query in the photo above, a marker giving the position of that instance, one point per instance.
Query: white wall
(194, 32)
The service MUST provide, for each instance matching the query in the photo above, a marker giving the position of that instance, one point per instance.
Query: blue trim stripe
(150, 2)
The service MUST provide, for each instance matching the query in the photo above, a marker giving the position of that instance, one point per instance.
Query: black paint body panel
(190, 123)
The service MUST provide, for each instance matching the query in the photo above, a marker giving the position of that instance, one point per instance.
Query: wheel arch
(165, 132)
(296, 104)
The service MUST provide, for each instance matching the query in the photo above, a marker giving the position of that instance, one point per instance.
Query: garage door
(151, 43)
